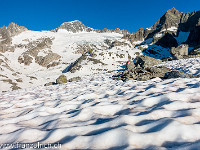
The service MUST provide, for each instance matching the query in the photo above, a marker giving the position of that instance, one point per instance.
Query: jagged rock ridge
(78, 26)
(172, 22)
(6, 34)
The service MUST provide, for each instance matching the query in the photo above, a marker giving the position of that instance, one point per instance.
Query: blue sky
(124, 14)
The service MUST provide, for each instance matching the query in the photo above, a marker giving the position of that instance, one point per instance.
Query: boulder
(180, 51)
(146, 61)
(61, 79)
(74, 79)
(130, 65)
(50, 83)
(178, 74)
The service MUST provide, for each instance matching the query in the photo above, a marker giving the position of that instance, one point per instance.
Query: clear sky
(98, 14)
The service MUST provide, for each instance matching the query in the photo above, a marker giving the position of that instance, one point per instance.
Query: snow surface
(173, 28)
(101, 113)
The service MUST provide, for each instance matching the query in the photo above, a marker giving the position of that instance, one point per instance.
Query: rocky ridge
(171, 30)
(6, 34)
(172, 22)
(77, 26)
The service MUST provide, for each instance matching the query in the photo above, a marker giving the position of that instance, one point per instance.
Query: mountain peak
(72, 22)
(12, 30)
(74, 26)
(173, 11)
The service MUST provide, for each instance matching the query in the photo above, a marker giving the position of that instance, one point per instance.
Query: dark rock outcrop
(167, 41)
(76, 65)
(178, 74)
(50, 83)
(194, 37)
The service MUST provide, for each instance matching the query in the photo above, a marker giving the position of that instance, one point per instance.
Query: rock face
(142, 69)
(12, 30)
(45, 61)
(33, 54)
(76, 65)
(194, 37)
(26, 59)
(6, 34)
(167, 41)
(117, 30)
(180, 51)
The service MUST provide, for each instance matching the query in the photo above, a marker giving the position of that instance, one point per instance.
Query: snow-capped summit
(74, 26)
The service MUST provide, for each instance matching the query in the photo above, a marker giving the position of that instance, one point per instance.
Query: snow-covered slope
(101, 113)
(40, 57)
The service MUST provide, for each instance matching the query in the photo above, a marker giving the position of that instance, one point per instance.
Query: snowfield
(100, 113)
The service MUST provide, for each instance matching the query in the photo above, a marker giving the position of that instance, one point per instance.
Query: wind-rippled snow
(101, 113)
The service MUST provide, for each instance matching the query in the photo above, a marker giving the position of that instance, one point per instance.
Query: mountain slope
(171, 30)
(40, 57)
(33, 58)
